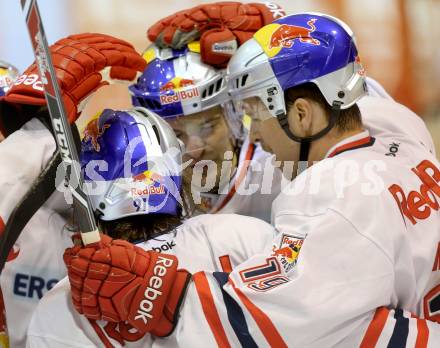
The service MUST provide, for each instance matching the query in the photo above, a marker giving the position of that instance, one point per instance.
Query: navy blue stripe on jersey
(235, 313)
(400, 333)
(272, 267)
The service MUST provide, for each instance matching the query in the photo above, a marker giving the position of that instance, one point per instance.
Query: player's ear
(300, 117)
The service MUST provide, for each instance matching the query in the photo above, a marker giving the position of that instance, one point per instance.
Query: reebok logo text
(152, 292)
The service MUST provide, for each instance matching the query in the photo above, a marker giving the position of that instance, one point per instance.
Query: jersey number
(264, 277)
(431, 304)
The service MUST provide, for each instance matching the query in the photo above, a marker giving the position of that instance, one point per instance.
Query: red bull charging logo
(274, 37)
(92, 132)
(286, 35)
(179, 87)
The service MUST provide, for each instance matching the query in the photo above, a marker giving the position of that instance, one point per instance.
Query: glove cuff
(171, 311)
(152, 295)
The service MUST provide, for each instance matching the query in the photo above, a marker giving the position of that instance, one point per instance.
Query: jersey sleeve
(320, 284)
(23, 156)
(398, 328)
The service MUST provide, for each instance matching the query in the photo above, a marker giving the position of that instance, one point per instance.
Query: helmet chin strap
(305, 141)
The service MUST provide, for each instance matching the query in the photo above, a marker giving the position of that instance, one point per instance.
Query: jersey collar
(357, 141)
(240, 176)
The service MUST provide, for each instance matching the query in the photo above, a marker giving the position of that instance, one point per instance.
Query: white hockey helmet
(297, 49)
(176, 83)
(131, 162)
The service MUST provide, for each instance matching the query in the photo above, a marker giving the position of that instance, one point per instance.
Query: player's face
(206, 137)
(266, 130)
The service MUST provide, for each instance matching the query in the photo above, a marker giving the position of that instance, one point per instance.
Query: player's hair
(349, 119)
(139, 228)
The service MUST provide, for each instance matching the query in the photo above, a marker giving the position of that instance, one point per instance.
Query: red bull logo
(149, 190)
(92, 132)
(285, 35)
(288, 251)
(175, 84)
(180, 88)
(148, 177)
(151, 184)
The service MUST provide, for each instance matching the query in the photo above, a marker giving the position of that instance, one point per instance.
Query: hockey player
(35, 263)
(186, 86)
(135, 157)
(357, 259)
(8, 73)
(220, 169)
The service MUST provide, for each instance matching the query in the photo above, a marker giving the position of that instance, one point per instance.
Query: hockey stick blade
(61, 127)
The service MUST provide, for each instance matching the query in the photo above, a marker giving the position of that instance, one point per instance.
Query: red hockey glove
(220, 26)
(117, 281)
(78, 61)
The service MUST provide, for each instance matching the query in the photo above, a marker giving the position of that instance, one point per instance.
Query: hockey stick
(25, 209)
(61, 127)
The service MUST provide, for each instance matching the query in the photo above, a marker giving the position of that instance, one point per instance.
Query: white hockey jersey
(35, 264)
(214, 242)
(29, 276)
(257, 182)
(26, 152)
(356, 263)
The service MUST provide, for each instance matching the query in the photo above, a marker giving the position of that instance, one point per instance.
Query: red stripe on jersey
(375, 328)
(209, 309)
(226, 264)
(240, 178)
(266, 326)
(348, 146)
(2, 226)
(422, 334)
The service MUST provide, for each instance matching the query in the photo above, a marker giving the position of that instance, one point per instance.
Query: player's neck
(320, 147)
